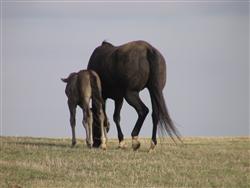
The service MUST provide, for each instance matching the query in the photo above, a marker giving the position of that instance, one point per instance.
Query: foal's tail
(156, 83)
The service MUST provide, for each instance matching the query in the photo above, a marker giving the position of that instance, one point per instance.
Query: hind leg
(106, 121)
(88, 122)
(134, 100)
(72, 109)
(103, 130)
(155, 120)
(117, 118)
(90, 127)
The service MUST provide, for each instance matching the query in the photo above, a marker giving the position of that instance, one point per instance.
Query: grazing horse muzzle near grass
(80, 89)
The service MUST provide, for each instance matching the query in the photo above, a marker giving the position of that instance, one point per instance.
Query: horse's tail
(156, 83)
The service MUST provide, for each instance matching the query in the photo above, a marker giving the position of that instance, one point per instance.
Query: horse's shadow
(65, 145)
(40, 144)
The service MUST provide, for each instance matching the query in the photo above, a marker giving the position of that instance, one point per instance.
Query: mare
(124, 71)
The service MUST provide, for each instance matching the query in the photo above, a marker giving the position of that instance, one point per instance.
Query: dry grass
(199, 162)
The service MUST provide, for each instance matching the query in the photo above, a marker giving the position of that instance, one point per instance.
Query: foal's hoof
(103, 146)
(135, 143)
(89, 145)
(122, 145)
(152, 147)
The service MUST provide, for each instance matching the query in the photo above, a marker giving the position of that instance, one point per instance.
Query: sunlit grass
(199, 162)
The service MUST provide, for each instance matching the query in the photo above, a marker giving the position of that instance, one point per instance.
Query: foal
(80, 89)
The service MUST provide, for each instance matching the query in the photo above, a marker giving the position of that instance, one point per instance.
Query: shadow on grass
(40, 144)
(80, 146)
(112, 147)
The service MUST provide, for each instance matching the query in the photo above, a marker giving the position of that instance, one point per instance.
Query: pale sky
(206, 47)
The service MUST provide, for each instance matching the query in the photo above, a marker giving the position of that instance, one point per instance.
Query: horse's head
(97, 128)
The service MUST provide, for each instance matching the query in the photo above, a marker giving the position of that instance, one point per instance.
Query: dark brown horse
(80, 89)
(126, 70)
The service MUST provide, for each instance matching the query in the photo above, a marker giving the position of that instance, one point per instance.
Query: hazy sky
(206, 47)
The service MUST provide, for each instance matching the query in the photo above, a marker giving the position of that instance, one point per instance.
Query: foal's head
(97, 128)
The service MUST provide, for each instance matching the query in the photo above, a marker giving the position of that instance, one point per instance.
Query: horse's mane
(106, 43)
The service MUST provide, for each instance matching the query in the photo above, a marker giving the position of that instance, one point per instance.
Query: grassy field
(199, 162)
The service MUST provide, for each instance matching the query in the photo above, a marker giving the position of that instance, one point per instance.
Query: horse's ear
(64, 80)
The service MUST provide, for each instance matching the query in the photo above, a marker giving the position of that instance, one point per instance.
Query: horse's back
(152, 65)
(127, 66)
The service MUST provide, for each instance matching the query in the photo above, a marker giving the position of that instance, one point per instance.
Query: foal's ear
(72, 75)
(64, 80)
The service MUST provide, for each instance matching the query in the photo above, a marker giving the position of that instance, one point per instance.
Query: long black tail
(165, 122)
(156, 83)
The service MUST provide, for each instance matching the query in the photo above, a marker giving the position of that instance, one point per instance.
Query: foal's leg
(117, 118)
(88, 122)
(90, 126)
(103, 131)
(132, 97)
(72, 109)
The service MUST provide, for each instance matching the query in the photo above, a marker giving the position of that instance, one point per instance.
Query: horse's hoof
(152, 147)
(73, 144)
(104, 146)
(135, 143)
(122, 145)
